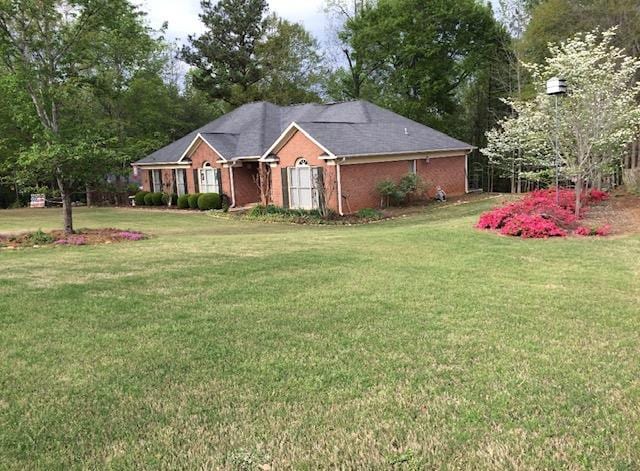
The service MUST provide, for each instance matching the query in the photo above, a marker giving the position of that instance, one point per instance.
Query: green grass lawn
(417, 343)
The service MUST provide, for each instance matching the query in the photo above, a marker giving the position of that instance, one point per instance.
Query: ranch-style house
(305, 156)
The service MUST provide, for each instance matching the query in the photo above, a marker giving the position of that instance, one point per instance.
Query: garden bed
(621, 212)
(59, 238)
(272, 213)
(544, 213)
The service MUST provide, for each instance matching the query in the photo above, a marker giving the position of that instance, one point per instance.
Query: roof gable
(342, 129)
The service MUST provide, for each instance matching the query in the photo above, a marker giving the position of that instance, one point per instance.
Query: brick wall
(167, 180)
(144, 179)
(200, 156)
(245, 186)
(359, 181)
(447, 172)
(300, 146)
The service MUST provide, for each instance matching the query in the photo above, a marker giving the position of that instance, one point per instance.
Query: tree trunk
(67, 210)
(89, 200)
(578, 195)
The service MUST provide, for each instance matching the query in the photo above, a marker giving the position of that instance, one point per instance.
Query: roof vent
(406, 131)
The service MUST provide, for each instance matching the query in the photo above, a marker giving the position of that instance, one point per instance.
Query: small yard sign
(37, 200)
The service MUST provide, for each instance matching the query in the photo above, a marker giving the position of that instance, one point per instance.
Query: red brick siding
(245, 186)
(447, 172)
(200, 156)
(167, 180)
(359, 181)
(144, 179)
(300, 146)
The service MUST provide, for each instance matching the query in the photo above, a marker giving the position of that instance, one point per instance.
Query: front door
(208, 180)
(302, 193)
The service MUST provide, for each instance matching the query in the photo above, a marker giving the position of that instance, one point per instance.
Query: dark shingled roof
(345, 129)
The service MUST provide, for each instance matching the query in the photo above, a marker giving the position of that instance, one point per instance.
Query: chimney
(406, 131)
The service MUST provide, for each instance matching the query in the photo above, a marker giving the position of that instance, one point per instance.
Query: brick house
(305, 156)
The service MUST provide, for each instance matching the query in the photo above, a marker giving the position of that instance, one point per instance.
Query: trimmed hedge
(156, 198)
(183, 202)
(166, 197)
(208, 201)
(139, 198)
(148, 199)
(193, 200)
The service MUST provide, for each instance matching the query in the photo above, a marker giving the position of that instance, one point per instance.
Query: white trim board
(202, 139)
(401, 157)
(160, 166)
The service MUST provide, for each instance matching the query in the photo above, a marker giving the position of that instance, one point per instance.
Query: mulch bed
(621, 211)
(60, 239)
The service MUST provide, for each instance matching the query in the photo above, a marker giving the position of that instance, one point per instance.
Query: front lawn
(418, 342)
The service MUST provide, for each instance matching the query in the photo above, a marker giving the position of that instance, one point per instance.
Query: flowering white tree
(595, 121)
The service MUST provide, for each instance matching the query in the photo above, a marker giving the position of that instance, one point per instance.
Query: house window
(181, 181)
(156, 180)
(413, 166)
(302, 189)
(208, 180)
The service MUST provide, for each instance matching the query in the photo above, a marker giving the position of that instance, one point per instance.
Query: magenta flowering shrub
(582, 231)
(533, 226)
(129, 235)
(598, 196)
(539, 215)
(601, 231)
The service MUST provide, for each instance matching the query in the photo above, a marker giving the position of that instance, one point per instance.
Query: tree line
(88, 87)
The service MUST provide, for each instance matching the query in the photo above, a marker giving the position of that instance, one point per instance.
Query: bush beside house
(183, 202)
(208, 201)
(193, 200)
(156, 199)
(169, 199)
(139, 198)
(409, 187)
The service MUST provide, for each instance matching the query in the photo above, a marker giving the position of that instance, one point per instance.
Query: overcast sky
(182, 15)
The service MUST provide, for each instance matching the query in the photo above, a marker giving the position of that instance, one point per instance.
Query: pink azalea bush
(129, 235)
(598, 196)
(532, 226)
(582, 231)
(538, 214)
(601, 231)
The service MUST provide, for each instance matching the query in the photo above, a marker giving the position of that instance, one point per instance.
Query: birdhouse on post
(556, 86)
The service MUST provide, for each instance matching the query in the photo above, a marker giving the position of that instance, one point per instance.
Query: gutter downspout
(233, 189)
(466, 172)
(339, 180)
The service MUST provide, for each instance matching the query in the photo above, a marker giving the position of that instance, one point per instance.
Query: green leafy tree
(595, 121)
(225, 56)
(350, 79)
(294, 67)
(18, 123)
(246, 55)
(553, 21)
(61, 51)
(419, 53)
